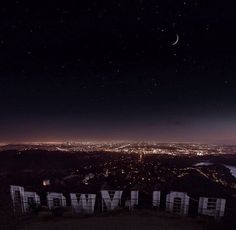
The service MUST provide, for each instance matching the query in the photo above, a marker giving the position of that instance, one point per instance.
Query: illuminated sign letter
(110, 199)
(55, 200)
(178, 203)
(83, 203)
(211, 207)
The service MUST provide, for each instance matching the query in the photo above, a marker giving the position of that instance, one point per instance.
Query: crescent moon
(176, 41)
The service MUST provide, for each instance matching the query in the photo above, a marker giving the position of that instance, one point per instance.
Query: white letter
(83, 203)
(111, 199)
(22, 199)
(55, 200)
(177, 202)
(156, 198)
(211, 207)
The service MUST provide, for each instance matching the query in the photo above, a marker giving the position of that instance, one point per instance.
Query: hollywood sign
(176, 202)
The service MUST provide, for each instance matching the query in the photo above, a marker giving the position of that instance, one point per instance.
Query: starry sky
(109, 70)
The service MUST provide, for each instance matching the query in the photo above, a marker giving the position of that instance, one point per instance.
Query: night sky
(102, 70)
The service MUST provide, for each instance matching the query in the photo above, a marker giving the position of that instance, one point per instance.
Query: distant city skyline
(162, 130)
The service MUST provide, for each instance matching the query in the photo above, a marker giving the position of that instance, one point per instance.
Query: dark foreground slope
(124, 221)
(117, 223)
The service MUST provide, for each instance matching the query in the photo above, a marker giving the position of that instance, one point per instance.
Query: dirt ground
(119, 222)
